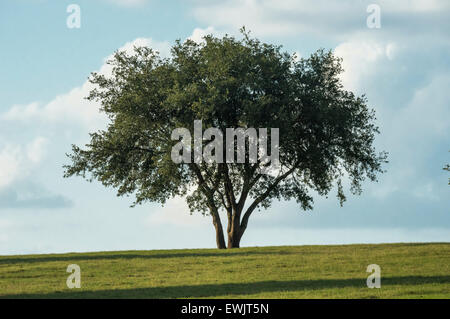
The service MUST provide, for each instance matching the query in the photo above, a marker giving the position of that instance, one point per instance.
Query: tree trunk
(234, 239)
(235, 231)
(220, 240)
(235, 235)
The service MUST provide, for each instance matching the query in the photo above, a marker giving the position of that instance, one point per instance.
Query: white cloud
(21, 111)
(360, 58)
(35, 151)
(411, 127)
(321, 17)
(424, 118)
(162, 47)
(298, 56)
(426, 191)
(428, 113)
(9, 165)
(410, 134)
(63, 115)
(415, 5)
(5, 223)
(198, 34)
(72, 107)
(16, 161)
(387, 189)
(176, 212)
(255, 16)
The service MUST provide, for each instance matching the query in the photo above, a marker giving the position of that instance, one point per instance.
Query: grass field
(407, 271)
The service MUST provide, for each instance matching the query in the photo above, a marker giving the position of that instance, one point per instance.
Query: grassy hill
(407, 271)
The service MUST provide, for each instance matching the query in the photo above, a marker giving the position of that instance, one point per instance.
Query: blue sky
(403, 68)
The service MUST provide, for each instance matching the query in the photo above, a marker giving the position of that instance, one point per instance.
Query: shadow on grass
(212, 290)
(97, 256)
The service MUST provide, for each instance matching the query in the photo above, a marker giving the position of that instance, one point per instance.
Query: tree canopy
(326, 133)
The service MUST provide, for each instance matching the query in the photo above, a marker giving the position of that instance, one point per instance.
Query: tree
(447, 168)
(326, 133)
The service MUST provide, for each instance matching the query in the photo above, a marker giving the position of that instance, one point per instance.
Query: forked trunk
(235, 235)
(234, 231)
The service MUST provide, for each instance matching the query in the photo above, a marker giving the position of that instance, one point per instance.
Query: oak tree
(326, 133)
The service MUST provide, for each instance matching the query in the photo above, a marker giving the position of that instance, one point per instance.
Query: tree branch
(229, 187)
(257, 201)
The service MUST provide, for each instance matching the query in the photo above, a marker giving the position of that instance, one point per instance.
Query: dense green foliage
(326, 132)
(407, 271)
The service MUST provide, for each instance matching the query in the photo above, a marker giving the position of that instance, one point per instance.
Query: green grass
(407, 271)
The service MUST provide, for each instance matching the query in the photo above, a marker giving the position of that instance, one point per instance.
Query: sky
(402, 66)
